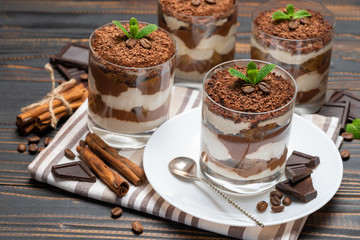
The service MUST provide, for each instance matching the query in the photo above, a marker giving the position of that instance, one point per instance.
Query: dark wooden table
(32, 31)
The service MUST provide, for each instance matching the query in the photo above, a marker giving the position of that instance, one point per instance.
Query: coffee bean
(21, 148)
(293, 24)
(247, 88)
(145, 43)
(210, 1)
(137, 227)
(264, 87)
(41, 149)
(82, 143)
(131, 42)
(195, 2)
(286, 201)
(305, 20)
(69, 154)
(347, 136)
(277, 209)
(33, 148)
(261, 206)
(116, 212)
(47, 141)
(34, 139)
(275, 201)
(345, 154)
(276, 193)
(84, 76)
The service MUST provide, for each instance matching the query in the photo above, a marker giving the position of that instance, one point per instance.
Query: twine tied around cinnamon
(54, 94)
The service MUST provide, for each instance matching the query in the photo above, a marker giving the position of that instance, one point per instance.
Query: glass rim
(331, 14)
(255, 61)
(132, 68)
(204, 17)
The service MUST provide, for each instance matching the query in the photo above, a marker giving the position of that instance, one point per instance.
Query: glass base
(120, 140)
(250, 187)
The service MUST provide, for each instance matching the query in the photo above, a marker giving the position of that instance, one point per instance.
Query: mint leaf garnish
(238, 74)
(264, 71)
(354, 128)
(134, 29)
(254, 76)
(290, 14)
(147, 30)
(122, 28)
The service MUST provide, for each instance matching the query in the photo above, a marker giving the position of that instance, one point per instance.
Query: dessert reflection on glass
(246, 125)
(130, 82)
(205, 33)
(298, 38)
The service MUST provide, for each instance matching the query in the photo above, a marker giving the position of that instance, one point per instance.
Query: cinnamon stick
(31, 115)
(116, 163)
(25, 130)
(112, 151)
(42, 126)
(108, 176)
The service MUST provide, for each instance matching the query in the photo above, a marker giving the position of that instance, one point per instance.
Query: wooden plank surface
(32, 31)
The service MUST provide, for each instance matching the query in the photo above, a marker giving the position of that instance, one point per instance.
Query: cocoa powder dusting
(109, 42)
(201, 8)
(225, 89)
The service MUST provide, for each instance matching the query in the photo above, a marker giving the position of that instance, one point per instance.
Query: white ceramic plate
(180, 136)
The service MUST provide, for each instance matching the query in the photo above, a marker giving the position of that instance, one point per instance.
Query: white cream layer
(289, 58)
(309, 81)
(193, 75)
(218, 151)
(132, 97)
(126, 127)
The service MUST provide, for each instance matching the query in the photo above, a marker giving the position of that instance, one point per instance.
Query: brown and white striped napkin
(144, 198)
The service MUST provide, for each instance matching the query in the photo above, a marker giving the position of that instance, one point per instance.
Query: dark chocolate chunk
(73, 55)
(342, 96)
(77, 171)
(339, 110)
(297, 172)
(298, 158)
(303, 190)
(71, 72)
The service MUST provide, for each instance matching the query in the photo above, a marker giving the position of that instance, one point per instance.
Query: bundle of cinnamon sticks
(39, 119)
(97, 153)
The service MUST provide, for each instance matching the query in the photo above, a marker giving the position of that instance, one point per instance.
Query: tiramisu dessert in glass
(246, 120)
(205, 32)
(131, 73)
(297, 36)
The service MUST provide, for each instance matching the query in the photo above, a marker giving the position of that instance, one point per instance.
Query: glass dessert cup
(244, 152)
(307, 60)
(203, 42)
(126, 104)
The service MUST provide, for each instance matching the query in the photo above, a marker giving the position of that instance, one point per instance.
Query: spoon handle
(232, 202)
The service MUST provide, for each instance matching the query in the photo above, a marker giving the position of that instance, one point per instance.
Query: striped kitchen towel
(144, 198)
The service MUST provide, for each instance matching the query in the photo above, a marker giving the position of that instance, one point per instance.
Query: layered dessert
(301, 46)
(204, 31)
(245, 133)
(130, 80)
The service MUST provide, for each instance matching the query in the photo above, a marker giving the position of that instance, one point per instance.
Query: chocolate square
(342, 96)
(297, 172)
(303, 189)
(336, 109)
(73, 55)
(77, 171)
(300, 158)
(71, 72)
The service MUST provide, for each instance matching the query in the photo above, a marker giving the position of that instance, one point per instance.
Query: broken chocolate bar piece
(336, 109)
(73, 55)
(298, 158)
(303, 190)
(343, 96)
(297, 172)
(71, 72)
(77, 171)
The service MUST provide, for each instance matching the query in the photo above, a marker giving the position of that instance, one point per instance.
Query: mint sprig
(135, 33)
(354, 128)
(290, 14)
(253, 75)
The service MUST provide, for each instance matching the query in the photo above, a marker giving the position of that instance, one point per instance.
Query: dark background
(32, 31)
